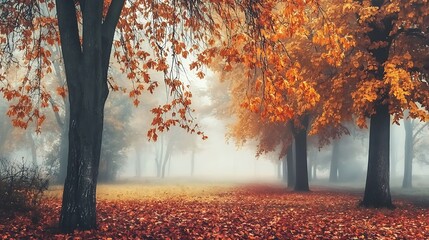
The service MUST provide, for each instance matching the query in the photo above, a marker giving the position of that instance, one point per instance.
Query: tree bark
(291, 168)
(301, 178)
(377, 189)
(408, 154)
(86, 69)
(333, 173)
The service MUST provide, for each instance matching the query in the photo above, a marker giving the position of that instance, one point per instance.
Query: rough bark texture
(333, 172)
(301, 178)
(408, 154)
(377, 189)
(86, 68)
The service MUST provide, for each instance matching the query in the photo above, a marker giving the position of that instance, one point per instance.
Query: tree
(290, 158)
(332, 66)
(86, 62)
(393, 82)
(276, 53)
(333, 171)
(411, 139)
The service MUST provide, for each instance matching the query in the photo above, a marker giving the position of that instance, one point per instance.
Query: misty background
(128, 155)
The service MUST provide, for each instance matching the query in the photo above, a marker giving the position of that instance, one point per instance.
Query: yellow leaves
(255, 104)
(399, 79)
(368, 91)
(392, 7)
(307, 97)
(350, 7)
(281, 33)
(292, 73)
(335, 42)
(367, 13)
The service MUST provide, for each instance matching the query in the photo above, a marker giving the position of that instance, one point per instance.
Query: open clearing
(223, 211)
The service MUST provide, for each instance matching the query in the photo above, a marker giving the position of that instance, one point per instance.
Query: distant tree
(286, 65)
(5, 129)
(116, 137)
(335, 160)
(412, 131)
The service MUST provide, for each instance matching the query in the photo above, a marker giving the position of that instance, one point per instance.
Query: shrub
(21, 187)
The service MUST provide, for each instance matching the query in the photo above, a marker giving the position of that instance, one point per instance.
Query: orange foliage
(297, 58)
(151, 36)
(316, 58)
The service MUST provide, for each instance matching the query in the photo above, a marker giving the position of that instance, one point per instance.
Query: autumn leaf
(212, 211)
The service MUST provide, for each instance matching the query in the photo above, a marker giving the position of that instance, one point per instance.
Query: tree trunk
(333, 173)
(167, 157)
(291, 168)
(284, 169)
(86, 69)
(408, 153)
(377, 189)
(158, 157)
(301, 178)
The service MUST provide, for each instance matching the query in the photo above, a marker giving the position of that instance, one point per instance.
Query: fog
(214, 159)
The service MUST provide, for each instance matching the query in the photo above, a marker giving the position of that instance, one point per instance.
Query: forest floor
(225, 211)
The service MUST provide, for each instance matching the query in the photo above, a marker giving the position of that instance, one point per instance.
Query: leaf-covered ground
(226, 212)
